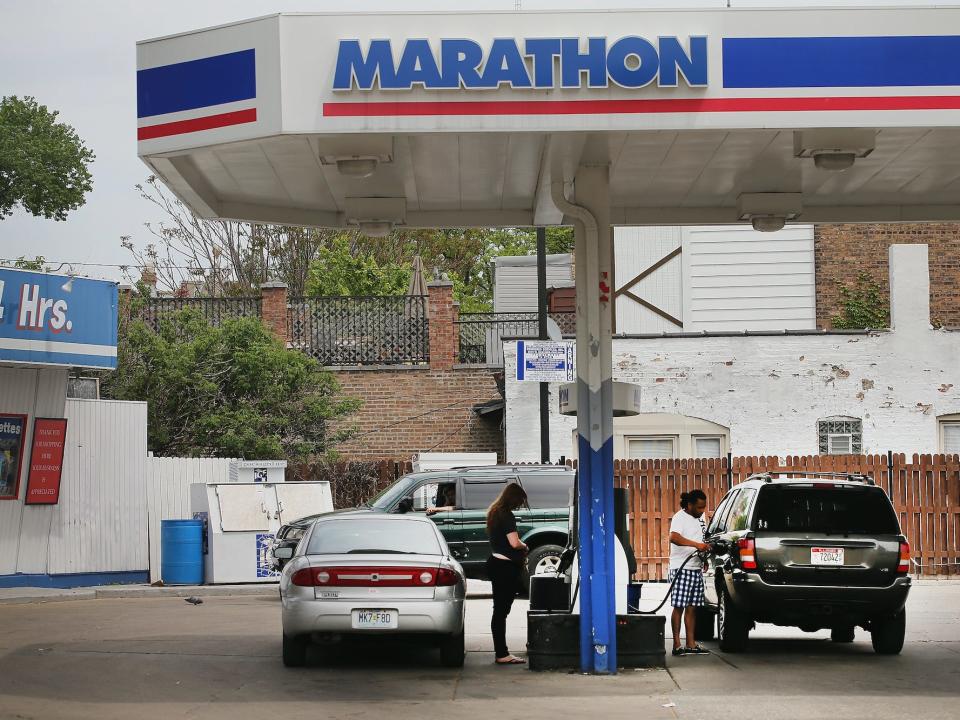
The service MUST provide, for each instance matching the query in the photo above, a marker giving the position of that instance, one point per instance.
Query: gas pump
(553, 622)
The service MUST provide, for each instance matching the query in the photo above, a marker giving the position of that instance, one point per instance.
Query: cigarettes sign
(46, 461)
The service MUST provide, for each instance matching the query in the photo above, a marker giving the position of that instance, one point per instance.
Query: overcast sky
(78, 57)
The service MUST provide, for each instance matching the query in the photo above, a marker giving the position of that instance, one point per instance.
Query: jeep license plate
(375, 619)
(826, 556)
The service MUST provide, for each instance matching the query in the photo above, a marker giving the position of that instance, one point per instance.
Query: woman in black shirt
(505, 565)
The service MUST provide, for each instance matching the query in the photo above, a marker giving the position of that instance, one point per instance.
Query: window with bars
(840, 436)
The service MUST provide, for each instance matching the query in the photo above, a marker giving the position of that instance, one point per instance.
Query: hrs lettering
(37, 312)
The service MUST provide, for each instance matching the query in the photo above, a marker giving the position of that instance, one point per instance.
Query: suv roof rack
(850, 477)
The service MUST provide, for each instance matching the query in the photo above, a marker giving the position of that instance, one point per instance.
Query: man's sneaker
(680, 652)
(696, 650)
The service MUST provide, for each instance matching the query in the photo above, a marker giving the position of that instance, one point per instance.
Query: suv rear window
(837, 510)
(548, 491)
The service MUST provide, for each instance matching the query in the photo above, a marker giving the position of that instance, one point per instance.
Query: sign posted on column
(546, 361)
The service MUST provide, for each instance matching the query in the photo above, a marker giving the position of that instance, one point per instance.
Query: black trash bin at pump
(553, 641)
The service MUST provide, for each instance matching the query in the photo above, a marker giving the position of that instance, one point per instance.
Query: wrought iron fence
(361, 330)
(213, 310)
(481, 334)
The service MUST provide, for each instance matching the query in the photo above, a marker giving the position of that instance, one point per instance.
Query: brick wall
(410, 411)
(443, 312)
(843, 251)
(273, 307)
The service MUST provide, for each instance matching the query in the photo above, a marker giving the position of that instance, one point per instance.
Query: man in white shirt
(687, 532)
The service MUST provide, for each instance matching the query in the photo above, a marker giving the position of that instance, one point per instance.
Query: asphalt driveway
(164, 658)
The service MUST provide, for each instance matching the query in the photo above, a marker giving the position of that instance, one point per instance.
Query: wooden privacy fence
(925, 490)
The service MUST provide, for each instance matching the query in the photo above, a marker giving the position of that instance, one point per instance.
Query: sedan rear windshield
(372, 536)
(834, 510)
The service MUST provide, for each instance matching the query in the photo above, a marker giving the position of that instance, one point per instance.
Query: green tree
(43, 163)
(228, 391)
(342, 269)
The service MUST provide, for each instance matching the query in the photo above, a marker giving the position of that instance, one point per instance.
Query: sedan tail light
(748, 553)
(380, 576)
(903, 567)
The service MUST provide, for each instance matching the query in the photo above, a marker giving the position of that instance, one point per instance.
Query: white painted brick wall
(770, 391)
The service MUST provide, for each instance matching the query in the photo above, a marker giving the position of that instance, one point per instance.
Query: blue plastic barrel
(181, 552)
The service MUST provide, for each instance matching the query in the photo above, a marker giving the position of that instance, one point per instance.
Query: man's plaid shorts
(688, 590)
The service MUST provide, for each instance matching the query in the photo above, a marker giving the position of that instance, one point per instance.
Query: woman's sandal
(510, 660)
(696, 650)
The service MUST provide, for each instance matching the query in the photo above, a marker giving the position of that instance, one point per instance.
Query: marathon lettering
(459, 63)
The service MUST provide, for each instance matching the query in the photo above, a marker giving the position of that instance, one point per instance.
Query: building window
(707, 446)
(950, 434)
(651, 448)
(840, 436)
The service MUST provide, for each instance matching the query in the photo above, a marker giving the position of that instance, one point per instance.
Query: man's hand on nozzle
(703, 547)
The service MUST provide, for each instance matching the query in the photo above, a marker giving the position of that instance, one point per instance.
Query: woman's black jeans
(505, 577)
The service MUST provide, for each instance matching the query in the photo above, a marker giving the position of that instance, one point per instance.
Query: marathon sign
(534, 63)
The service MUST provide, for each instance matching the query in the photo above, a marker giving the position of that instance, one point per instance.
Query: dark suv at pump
(815, 551)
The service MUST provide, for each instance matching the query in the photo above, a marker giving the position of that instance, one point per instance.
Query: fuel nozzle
(719, 547)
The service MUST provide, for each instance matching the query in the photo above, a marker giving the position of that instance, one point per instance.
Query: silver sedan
(369, 573)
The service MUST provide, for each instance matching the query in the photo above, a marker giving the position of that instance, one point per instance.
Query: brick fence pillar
(273, 308)
(443, 331)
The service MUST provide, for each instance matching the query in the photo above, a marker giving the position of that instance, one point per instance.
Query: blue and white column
(594, 277)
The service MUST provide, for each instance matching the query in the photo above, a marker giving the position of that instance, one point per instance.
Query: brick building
(844, 251)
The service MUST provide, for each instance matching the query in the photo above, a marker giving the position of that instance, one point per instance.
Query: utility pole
(542, 318)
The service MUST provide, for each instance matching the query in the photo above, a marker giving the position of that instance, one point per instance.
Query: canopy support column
(598, 637)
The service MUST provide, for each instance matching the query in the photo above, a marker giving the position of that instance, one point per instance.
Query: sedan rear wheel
(295, 650)
(452, 650)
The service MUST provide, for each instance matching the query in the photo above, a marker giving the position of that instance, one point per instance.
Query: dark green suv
(544, 526)
(814, 551)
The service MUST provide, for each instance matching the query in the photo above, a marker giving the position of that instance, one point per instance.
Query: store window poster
(13, 429)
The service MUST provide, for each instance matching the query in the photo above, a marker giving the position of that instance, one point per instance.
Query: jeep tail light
(748, 553)
(903, 568)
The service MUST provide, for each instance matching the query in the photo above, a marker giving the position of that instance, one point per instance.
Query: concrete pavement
(161, 657)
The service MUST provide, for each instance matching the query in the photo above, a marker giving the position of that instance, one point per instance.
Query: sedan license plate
(826, 556)
(375, 619)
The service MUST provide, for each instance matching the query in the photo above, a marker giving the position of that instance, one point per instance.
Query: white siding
(168, 493)
(739, 279)
(515, 286)
(638, 248)
(99, 524)
(34, 393)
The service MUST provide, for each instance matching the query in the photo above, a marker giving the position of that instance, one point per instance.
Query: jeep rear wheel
(733, 627)
(706, 624)
(888, 634)
(843, 634)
